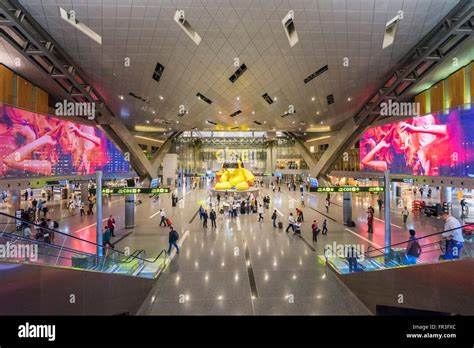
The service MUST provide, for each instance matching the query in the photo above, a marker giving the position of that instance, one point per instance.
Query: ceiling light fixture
(179, 18)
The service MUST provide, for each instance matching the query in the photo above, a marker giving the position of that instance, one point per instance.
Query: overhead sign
(337, 189)
(134, 190)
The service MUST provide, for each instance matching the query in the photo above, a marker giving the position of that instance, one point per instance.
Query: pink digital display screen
(36, 145)
(431, 145)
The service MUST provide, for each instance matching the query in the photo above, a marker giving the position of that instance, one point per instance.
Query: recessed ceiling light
(148, 121)
(177, 121)
(317, 113)
(220, 112)
(169, 128)
(235, 122)
(322, 122)
(313, 99)
(349, 99)
(154, 112)
(265, 122)
(121, 97)
(161, 97)
(253, 112)
(293, 122)
(275, 98)
(238, 98)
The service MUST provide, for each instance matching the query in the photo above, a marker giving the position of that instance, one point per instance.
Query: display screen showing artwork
(432, 145)
(35, 145)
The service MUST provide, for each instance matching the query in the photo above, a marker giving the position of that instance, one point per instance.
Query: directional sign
(134, 190)
(336, 189)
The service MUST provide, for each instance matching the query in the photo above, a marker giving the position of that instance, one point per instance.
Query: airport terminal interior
(247, 157)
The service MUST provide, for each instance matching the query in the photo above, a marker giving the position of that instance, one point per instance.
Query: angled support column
(162, 151)
(305, 153)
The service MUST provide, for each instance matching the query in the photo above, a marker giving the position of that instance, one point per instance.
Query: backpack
(415, 249)
(175, 235)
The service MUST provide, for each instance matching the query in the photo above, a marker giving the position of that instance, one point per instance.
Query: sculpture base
(235, 193)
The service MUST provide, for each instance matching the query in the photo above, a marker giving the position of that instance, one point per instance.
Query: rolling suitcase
(169, 222)
(280, 225)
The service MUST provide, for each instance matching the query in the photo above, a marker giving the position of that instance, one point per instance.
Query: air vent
(267, 98)
(194, 128)
(235, 113)
(188, 29)
(330, 99)
(257, 122)
(158, 72)
(316, 74)
(391, 30)
(286, 114)
(234, 128)
(204, 98)
(238, 73)
(290, 29)
(138, 97)
(211, 122)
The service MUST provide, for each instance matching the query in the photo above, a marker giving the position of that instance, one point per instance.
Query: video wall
(34, 145)
(433, 145)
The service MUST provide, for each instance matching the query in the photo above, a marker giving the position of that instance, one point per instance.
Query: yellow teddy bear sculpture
(234, 175)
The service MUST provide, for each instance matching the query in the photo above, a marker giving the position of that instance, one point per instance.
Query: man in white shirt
(453, 235)
(260, 212)
(291, 222)
(163, 217)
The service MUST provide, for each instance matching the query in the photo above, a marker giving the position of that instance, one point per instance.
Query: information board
(134, 190)
(356, 189)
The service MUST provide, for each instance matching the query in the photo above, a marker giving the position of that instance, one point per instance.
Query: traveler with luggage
(163, 218)
(205, 216)
(325, 228)
(291, 222)
(274, 218)
(405, 214)
(315, 230)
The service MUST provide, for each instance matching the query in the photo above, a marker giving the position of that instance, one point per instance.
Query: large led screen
(34, 145)
(433, 145)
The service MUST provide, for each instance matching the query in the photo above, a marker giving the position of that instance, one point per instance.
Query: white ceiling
(249, 30)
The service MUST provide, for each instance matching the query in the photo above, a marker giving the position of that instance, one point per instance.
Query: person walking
(413, 249)
(325, 228)
(163, 218)
(106, 238)
(212, 216)
(302, 200)
(111, 225)
(405, 214)
(291, 223)
(260, 212)
(173, 238)
(82, 209)
(370, 221)
(274, 218)
(380, 203)
(315, 231)
(205, 216)
(328, 202)
(218, 200)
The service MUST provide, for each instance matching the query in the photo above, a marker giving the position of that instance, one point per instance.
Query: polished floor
(244, 266)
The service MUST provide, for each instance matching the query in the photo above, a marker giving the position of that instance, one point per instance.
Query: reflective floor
(244, 266)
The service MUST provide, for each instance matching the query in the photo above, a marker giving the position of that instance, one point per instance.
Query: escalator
(40, 270)
(382, 276)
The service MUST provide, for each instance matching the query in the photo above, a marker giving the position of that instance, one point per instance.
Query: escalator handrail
(74, 237)
(419, 238)
(68, 249)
